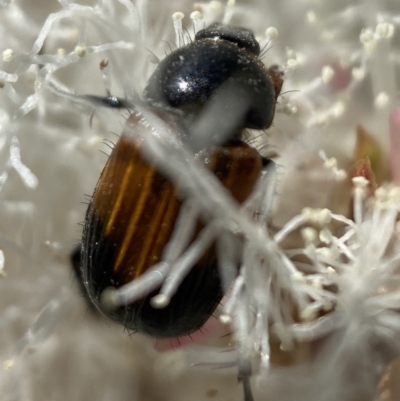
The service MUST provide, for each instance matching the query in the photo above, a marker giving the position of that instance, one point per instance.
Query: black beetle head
(222, 60)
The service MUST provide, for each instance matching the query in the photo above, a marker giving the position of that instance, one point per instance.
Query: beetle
(134, 207)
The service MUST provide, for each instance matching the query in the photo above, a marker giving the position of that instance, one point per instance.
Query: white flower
(340, 67)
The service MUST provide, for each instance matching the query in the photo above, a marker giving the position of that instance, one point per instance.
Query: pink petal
(211, 333)
(341, 78)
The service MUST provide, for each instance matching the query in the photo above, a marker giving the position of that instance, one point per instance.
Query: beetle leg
(110, 101)
(244, 375)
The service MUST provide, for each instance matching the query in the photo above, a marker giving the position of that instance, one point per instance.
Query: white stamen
(384, 30)
(2, 262)
(311, 17)
(8, 55)
(272, 33)
(309, 235)
(160, 301)
(177, 18)
(327, 74)
(80, 51)
(381, 100)
(358, 73)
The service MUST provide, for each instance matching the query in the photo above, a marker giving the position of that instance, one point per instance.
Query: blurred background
(341, 63)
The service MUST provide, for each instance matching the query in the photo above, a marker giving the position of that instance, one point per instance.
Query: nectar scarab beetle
(135, 206)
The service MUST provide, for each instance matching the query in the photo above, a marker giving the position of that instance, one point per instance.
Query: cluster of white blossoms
(315, 306)
(345, 283)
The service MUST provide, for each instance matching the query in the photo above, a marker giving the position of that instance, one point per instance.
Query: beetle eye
(244, 38)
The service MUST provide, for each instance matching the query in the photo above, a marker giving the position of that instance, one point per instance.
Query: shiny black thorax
(192, 75)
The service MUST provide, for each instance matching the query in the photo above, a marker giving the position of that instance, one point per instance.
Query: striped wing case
(129, 222)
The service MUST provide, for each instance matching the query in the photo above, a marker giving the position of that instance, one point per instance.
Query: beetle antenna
(264, 51)
(169, 45)
(157, 59)
(262, 54)
(188, 34)
(248, 395)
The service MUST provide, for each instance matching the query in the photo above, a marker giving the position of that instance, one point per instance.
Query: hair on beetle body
(149, 257)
